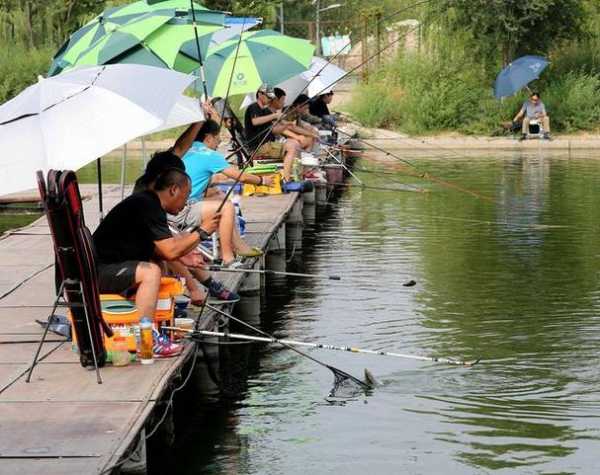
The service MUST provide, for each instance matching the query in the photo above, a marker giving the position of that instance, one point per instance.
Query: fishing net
(345, 385)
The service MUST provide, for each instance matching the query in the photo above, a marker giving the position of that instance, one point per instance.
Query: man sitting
(259, 122)
(307, 137)
(533, 109)
(319, 107)
(135, 235)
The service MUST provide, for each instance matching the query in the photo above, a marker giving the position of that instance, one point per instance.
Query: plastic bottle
(241, 221)
(120, 352)
(146, 341)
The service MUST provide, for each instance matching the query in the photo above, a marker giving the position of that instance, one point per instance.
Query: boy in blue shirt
(203, 161)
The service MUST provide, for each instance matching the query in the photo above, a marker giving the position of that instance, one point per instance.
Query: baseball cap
(267, 90)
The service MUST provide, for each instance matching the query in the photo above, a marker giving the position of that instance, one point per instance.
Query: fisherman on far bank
(533, 109)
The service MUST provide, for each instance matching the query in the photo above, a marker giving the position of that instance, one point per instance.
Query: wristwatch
(201, 232)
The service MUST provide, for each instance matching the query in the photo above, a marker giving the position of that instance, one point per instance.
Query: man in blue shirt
(203, 161)
(533, 109)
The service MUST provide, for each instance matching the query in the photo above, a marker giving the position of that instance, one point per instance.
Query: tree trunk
(29, 23)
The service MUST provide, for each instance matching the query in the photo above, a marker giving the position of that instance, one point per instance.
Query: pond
(511, 278)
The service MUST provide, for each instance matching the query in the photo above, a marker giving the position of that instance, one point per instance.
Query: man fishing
(533, 109)
(135, 236)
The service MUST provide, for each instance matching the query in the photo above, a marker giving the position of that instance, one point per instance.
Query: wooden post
(311, 32)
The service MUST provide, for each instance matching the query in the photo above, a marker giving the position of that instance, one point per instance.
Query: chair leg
(50, 318)
(87, 321)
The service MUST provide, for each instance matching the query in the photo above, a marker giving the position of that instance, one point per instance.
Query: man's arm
(185, 140)
(179, 245)
(519, 114)
(264, 119)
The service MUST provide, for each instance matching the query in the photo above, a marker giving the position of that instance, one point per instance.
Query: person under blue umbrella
(533, 109)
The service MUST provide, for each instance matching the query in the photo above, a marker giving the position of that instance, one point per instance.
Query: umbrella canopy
(265, 56)
(518, 74)
(146, 32)
(69, 120)
(233, 27)
(319, 79)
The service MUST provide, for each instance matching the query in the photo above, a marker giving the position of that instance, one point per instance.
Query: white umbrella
(320, 78)
(69, 120)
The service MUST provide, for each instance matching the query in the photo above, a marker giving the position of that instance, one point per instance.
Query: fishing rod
(325, 346)
(338, 374)
(276, 122)
(420, 173)
(271, 272)
(362, 186)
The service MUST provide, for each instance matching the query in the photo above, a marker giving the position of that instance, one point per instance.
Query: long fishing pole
(276, 122)
(362, 186)
(325, 346)
(202, 74)
(420, 173)
(271, 272)
(337, 372)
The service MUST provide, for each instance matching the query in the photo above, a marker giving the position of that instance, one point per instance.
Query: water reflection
(513, 282)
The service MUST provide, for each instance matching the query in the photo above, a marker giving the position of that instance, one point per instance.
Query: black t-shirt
(318, 108)
(129, 230)
(255, 133)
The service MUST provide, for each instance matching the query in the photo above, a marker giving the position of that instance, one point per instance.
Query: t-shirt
(255, 133)
(201, 163)
(532, 110)
(318, 108)
(129, 230)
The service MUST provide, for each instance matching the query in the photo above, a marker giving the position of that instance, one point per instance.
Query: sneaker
(522, 137)
(164, 347)
(253, 252)
(220, 294)
(547, 136)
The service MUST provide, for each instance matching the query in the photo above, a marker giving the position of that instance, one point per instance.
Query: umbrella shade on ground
(264, 56)
(69, 120)
(518, 74)
(163, 28)
(319, 79)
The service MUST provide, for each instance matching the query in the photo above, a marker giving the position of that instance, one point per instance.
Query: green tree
(515, 26)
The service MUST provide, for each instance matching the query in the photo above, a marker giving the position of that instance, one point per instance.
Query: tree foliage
(514, 27)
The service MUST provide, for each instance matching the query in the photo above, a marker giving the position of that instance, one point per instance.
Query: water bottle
(239, 217)
(146, 341)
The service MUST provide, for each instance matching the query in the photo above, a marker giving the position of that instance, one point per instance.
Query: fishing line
(276, 122)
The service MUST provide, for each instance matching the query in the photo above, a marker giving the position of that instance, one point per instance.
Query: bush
(20, 67)
(451, 91)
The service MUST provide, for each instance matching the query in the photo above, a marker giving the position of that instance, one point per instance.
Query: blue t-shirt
(201, 163)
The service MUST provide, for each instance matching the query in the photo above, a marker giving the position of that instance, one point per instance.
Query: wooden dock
(63, 421)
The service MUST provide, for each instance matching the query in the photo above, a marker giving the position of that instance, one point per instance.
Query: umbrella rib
(24, 116)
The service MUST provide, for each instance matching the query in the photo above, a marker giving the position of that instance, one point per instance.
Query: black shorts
(116, 278)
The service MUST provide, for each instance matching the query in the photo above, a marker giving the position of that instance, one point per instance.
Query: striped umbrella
(264, 56)
(145, 32)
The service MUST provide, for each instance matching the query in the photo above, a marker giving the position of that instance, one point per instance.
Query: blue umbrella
(518, 74)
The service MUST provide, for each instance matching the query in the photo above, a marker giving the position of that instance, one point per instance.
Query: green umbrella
(158, 29)
(264, 56)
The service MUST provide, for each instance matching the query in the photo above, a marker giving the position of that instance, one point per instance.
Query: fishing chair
(76, 277)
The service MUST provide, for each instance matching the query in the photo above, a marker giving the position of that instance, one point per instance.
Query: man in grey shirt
(533, 109)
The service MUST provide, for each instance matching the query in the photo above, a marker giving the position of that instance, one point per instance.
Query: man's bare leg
(291, 148)
(226, 226)
(197, 295)
(147, 277)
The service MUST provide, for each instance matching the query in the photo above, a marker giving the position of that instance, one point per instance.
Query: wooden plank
(70, 382)
(24, 352)
(46, 466)
(73, 429)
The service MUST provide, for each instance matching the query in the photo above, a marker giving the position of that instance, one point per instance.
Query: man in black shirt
(261, 131)
(135, 234)
(320, 107)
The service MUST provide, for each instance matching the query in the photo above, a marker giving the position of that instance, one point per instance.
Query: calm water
(514, 282)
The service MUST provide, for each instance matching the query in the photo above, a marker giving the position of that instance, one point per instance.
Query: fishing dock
(63, 421)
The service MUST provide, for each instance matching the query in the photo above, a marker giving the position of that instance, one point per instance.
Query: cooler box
(274, 189)
(123, 317)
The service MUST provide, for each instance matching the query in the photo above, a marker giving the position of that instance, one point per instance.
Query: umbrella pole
(99, 172)
(202, 75)
(123, 160)
(144, 161)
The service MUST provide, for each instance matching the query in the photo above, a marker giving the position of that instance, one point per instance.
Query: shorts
(272, 150)
(190, 216)
(117, 277)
